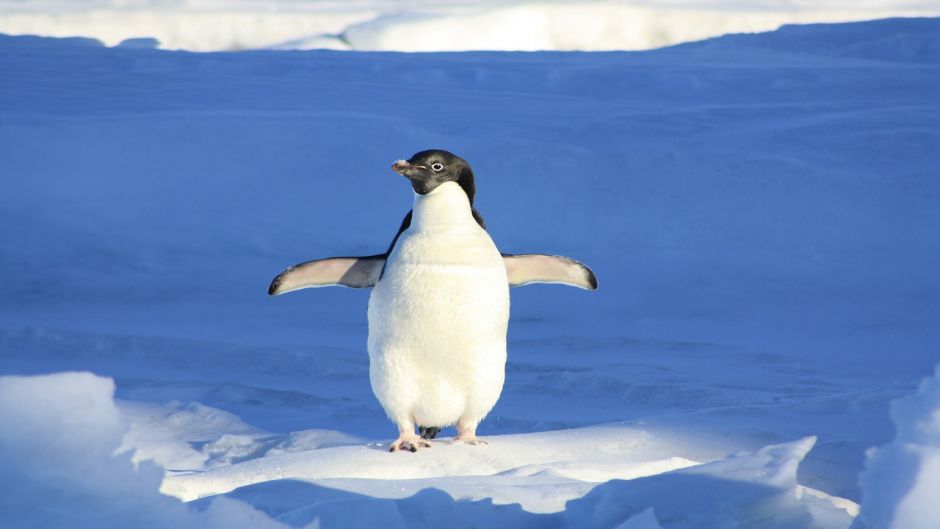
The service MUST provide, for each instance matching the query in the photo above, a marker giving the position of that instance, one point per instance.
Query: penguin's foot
(467, 433)
(410, 443)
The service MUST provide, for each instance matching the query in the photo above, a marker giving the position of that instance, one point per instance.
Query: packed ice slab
(62, 445)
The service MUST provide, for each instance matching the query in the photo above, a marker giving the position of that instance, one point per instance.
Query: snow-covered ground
(423, 25)
(761, 212)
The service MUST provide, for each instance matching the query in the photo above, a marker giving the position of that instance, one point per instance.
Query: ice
(61, 466)
(644, 520)
(901, 479)
(63, 431)
(760, 211)
(417, 25)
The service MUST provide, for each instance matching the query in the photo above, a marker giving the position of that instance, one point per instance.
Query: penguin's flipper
(524, 269)
(354, 272)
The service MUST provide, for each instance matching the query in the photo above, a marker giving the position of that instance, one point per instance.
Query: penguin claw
(411, 445)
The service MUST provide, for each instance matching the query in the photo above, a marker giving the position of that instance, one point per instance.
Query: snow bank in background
(182, 26)
(589, 26)
(415, 25)
(57, 452)
(901, 483)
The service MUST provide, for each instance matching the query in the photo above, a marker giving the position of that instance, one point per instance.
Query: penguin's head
(428, 169)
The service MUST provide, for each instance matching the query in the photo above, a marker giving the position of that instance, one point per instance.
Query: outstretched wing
(354, 272)
(524, 269)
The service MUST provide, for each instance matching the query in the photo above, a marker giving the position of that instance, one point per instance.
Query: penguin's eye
(437, 166)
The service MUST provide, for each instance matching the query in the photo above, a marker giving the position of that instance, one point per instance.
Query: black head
(429, 169)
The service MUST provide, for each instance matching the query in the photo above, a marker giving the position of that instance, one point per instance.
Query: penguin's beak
(404, 168)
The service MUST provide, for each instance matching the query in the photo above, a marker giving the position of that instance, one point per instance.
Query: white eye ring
(437, 166)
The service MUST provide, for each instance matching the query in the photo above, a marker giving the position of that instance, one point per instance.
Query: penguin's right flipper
(524, 269)
(354, 272)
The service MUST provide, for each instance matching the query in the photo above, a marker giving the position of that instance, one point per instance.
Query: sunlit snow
(421, 25)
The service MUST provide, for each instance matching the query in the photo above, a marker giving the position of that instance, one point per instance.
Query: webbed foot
(411, 444)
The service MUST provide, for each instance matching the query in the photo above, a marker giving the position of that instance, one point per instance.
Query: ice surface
(760, 210)
(60, 467)
(420, 25)
(62, 433)
(901, 480)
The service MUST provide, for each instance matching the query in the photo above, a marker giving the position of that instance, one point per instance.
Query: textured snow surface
(418, 25)
(761, 212)
(61, 467)
(901, 480)
(62, 434)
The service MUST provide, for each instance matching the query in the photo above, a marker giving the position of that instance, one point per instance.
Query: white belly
(437, 327)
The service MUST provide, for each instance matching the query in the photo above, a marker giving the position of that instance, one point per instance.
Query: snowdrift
(63, 431)
(57, 452)
(416, 25)
(901, 479)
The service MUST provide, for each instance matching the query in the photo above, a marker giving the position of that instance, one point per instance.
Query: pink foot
(411, 444)
(467, 433)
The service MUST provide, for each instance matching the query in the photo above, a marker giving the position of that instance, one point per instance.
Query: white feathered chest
(438, 317)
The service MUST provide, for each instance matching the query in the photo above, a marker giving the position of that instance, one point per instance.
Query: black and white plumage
(439, 308)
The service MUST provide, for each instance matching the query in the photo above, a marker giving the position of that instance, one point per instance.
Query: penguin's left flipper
(354, 272)
(524, 269)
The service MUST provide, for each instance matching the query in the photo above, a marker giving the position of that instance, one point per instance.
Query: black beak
(406, 169)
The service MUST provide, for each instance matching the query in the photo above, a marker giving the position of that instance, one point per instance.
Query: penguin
(438, 312)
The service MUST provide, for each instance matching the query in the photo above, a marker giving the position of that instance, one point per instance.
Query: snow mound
(181, 25)
(62, 466)
(415, 25)
(187, 437)
(900, 484)
(748, 491)
(57, 452)
(585, 26)
(507, 467)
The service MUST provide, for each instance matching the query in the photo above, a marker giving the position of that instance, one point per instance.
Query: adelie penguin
(439, 307)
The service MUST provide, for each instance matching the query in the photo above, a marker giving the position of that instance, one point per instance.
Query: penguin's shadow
(678, 500)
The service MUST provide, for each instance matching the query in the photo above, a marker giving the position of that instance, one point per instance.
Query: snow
(900, 482)
(60, 435)
(417, 25)
(588, 26)
(760, 211)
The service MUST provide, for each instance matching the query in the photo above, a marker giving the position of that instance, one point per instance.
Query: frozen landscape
(425, 25)
(761, 211)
